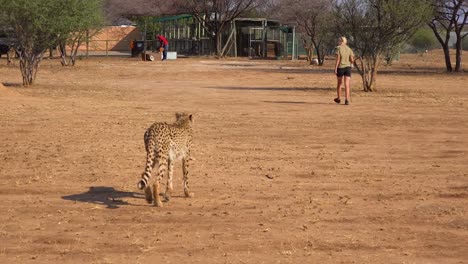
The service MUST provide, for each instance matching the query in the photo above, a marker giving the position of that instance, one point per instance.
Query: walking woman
(344, 60)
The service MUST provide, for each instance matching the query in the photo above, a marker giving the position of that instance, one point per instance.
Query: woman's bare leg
(338, 86)
(347, 87)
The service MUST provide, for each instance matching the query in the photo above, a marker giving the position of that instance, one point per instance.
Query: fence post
(293, 44)
(107, 48)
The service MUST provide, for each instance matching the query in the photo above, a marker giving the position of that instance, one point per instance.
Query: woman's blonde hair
(343, 40)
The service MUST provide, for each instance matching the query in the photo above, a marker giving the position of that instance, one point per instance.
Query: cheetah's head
(184, 117)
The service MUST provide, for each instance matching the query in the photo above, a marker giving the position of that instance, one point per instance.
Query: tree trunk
(74, 52)
(76, 43)
(458, 54)
(63, 54)
(218, 29)
(73, 57)
(308, 48)
(310, 53)
(367, 68)
(368, 80)
(444, 44)
(219, 45)
(8, 57)
(322, 53)
(29, 64)
(448, 62)
(320, 56)
(317, 50)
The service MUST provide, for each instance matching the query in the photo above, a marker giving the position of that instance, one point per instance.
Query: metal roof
(172, 18)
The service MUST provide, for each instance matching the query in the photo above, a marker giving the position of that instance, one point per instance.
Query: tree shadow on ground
(416, 71)
(101, 195)
(412, 71)
(7, 84)
(296, 70)
(294, 89)
(293, 102)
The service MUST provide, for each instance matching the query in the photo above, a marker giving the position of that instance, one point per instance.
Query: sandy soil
(282, 174)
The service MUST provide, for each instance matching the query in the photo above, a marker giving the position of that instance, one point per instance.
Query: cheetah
(166, 143)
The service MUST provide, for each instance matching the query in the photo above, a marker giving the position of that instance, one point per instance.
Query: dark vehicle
(137, 47)
(6, 47)
(6, 44)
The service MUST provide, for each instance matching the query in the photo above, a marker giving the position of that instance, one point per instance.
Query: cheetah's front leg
(148, 194)
(156, 191)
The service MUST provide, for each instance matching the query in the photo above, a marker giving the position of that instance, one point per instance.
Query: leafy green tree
(423, 39)
(376, 26)
(37, 26)
(34, 30)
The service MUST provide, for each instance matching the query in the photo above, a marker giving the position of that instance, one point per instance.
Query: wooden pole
(144, 41)
(235, 39)
(264, 38)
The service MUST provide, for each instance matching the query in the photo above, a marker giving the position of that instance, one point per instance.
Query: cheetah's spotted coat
(165, 143)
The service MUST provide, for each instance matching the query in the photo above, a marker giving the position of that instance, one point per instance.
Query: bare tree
(314, 20)
(450, 16)
(115, 9)
(216, 15)
(376, 26)
(459, 24)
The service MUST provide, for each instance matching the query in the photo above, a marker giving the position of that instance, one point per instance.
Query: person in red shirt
(163, 43)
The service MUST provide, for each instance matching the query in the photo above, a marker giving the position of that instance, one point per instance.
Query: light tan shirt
(345, 54)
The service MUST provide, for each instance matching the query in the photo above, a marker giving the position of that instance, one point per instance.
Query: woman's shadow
(101, 195)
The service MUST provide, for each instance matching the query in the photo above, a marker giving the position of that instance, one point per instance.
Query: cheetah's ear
(191, 118)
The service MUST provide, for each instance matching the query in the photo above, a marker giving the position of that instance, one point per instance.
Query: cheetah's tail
(149, 145)
(144, 180)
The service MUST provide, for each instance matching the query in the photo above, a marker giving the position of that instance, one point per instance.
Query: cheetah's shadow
(102, 195)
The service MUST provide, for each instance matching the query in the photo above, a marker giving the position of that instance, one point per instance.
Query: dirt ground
(282, 174)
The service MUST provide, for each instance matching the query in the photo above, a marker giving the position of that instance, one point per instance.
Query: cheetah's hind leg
(169, 188)
(185, 170)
